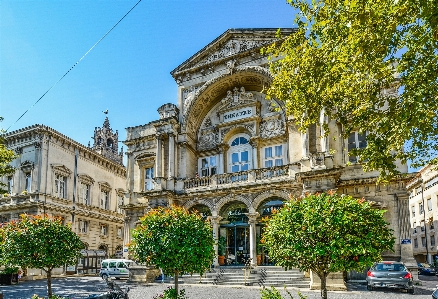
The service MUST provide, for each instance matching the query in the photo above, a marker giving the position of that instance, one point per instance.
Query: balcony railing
(254, 175)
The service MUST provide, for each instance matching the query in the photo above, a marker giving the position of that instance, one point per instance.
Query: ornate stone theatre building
(226, 151)
(45, 179)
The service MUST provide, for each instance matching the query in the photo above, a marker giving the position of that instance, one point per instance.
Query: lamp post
(424, 220)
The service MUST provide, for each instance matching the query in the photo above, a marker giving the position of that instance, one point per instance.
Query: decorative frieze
(272, 128)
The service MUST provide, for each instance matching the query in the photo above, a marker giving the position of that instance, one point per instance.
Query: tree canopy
(371, 65)
(175, 240)
(327, 233)
(39, 242)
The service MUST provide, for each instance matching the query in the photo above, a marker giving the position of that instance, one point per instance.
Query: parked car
(425, 269)
(117, 268)
(435, 293)
(390, 275)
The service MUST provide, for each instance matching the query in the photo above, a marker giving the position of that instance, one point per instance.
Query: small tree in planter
(39, 242)
(221, 249)
(175, 240)
(327, 233)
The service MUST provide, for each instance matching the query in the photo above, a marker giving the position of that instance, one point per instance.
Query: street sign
(406, 241)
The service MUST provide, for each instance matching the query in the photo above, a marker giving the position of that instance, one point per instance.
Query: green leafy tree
(371, 65)
(6, 157)
(327, 233)
(175, 240)
(39, 242)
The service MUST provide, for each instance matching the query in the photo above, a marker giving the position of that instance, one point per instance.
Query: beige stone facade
(423, 203)
(229, 153)
(44, 181)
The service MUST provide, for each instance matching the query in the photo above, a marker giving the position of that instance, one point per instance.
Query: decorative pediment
(61, 170)
(144, 156)
(85, 179)
(232, 43)
(27, 166)
(237, 98)
(105, 187)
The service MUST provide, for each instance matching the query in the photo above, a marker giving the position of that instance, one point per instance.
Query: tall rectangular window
(413, 211)
(28, 181)
(83, 226)
(208, 165)
(415, 243)
(429, 204)
(273, 156)
(60, 182)
(415, 227)
(103, 229)
(84, 194)
(149, 178)
(423, 241)
(120, 203)
(356, 140)
(421, 208)
(104, 199)
(119, 231)
(432, 240)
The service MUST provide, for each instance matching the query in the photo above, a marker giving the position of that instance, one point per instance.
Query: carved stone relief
(271, 128)
(208, 139)
(237, 98)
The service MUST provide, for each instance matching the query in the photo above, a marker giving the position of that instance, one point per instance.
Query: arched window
(239, 154)
(109, 143)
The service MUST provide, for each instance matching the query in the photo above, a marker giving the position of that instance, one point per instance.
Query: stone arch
(268, 194)
(193, 202)
(250, 77)
(229, 198)
(237, 129)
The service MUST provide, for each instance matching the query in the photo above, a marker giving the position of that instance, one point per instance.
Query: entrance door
(237, 243)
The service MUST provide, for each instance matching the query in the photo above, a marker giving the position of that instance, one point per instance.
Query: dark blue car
(425, 269)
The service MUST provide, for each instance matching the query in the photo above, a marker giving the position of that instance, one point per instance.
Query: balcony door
(239, 154)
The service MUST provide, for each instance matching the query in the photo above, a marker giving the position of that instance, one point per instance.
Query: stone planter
(146, 274)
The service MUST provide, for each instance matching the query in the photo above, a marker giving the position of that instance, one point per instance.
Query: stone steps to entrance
(261, 275)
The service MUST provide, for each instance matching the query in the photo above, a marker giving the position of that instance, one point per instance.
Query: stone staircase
(261, 276)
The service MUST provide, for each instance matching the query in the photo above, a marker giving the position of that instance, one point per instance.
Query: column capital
(252, 217)
(214, 219)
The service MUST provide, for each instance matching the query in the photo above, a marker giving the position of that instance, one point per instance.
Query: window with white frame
(149, 178)
(421, 208)
(84, 193)
(103, 229)
(413, 211)
(429, 204)
(208, 166)
(273, 156)
(60, 183)
(120, 202)
(423, 241)
(356, 140)
(83, 226)
(10, 184)
(415, 227)
(104, 199)
(240, 154)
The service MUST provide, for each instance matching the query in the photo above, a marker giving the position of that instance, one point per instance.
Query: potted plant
(221, 248)
(259, 249)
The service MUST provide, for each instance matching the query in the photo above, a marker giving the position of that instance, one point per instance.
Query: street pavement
(81, 287)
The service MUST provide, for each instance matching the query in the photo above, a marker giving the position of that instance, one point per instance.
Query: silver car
(390, 275)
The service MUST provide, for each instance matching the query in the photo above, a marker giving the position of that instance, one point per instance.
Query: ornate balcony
(254, 176)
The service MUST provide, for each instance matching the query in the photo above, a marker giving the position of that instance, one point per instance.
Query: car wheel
(411, 291)
(369, 288)
(104, 276)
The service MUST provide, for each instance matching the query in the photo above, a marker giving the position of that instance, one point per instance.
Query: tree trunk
(49, 283)
(176, 283)
(323, 278)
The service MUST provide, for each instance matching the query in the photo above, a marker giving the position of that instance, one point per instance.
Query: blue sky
(127, 73)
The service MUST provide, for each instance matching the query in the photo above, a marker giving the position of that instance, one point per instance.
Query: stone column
(305, 144)
(252, 220)
(158, 161)
(255, 152)
(126, 235)
(215, 224)
(171, 166)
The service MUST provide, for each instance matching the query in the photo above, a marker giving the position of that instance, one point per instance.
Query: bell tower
(106, 142)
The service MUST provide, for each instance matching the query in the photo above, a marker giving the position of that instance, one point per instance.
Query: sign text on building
(237, 114)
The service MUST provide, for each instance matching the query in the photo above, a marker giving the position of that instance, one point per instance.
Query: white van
(117, 268)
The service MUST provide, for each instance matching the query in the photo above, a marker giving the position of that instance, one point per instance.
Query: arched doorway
(265, 209)
(234, 233)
